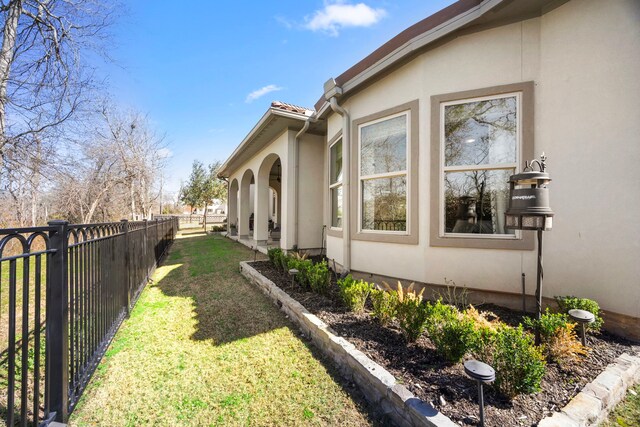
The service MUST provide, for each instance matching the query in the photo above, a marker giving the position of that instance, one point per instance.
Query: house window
(335, 183)
(480, 138)
(383, 174)
(480, 146)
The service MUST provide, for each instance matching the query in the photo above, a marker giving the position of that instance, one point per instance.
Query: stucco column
(261, 207)
(288, 199)
(232, 200)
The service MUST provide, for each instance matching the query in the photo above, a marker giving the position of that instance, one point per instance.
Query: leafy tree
(203, 187)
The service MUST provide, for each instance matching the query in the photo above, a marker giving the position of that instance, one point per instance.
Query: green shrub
(274, 256)
(518, 363)
(548, 324)
(354, 293)
(567, 303)
(218, 228)
(453, 333)
(411, 312)
(303, 266)
(385, 304)
(558, 336)
(319, 277)
(284, 262)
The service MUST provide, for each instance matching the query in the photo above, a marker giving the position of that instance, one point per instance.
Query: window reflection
(481, 132)
(384, 204)
(383, 146)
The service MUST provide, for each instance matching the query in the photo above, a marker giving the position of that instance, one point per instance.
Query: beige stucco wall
(584, 58)
(310, 190)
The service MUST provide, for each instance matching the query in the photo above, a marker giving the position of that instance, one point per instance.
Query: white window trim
(393, 174)
(464, 168)
(334, 185)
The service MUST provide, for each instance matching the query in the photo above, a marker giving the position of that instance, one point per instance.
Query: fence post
(127, 265)
(57, 332)
(157, 246)
(146, 246)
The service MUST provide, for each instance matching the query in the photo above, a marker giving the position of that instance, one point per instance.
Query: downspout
(332, 91)
(304, 129)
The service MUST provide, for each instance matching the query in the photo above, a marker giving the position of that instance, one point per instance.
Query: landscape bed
(444, 384)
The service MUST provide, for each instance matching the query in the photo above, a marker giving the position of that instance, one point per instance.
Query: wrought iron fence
(64, 291)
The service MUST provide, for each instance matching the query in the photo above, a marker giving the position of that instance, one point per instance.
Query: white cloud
(261, 92)
(337, 15)
(164, 153)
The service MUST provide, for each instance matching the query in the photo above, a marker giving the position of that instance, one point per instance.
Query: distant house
(214, 209)
(400, 170)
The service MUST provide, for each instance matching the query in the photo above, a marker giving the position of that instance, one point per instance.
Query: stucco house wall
(584, 60)
(311, 191)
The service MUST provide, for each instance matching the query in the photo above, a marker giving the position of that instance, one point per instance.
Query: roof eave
(409, 47)
(262, 123)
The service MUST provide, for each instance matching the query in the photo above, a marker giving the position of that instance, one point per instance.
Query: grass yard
(627, 413)
(204, 347)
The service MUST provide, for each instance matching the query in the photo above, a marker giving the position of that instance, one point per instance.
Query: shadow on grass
(229, 308)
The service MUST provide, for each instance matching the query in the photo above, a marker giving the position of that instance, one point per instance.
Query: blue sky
(193, 67)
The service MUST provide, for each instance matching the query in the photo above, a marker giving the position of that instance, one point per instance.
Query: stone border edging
(592, 405)
(377, 384)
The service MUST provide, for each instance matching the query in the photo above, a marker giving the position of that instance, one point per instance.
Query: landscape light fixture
(529, 210)
(293, 272)
(482, 373)
(583, 317)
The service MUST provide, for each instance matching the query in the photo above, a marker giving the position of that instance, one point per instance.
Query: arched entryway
(268, 182)
(246, 205)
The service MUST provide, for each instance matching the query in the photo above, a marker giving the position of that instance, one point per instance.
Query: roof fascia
(415, 44)
(255, 131)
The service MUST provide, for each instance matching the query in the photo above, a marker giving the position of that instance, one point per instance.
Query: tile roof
(292, 108)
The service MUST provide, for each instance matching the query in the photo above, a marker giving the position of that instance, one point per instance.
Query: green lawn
(205, 347)
(627, 413)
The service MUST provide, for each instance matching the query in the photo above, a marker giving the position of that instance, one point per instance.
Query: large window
(335, 183)
(480, 138)
(480, 142)
(383, 174)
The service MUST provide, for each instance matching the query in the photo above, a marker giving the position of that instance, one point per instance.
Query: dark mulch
(446, 386)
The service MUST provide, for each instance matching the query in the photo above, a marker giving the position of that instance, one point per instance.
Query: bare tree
(42, 78)
(141, 153)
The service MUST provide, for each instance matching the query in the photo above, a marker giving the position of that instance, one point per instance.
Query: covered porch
(268, 206)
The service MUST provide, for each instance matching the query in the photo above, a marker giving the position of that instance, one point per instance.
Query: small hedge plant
(453, 333)
(354, 293)
(303, 266)
(558, 336)
(412, 312)
(518, 363)
(567, 303)
(274, 255)
(385, 305)
(319, 277)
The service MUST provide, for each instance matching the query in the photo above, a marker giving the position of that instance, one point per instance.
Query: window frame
(410, 235)
(524, 150)
(394, 174)
(333, 231)
(335, 185)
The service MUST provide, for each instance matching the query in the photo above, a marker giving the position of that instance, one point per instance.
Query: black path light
(293, 273)
(482, 373)
(529, 210)
(583, 317)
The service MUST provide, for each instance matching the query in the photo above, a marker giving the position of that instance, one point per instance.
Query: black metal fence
(64, 291)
